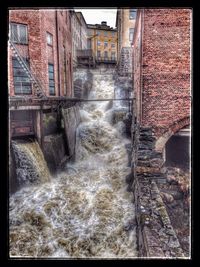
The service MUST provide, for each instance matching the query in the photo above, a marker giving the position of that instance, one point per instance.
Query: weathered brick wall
(165, 69)
(39, 22)
(137, 64)
(65, 52)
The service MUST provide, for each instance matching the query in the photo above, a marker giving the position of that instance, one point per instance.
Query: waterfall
(31, 167)
(86, 212)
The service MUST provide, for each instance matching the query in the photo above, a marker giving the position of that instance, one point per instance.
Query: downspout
(58, 59)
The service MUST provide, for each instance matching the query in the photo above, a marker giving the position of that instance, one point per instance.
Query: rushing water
(31, 167)
(86, 211)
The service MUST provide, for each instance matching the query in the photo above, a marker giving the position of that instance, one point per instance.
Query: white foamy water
(86, 212)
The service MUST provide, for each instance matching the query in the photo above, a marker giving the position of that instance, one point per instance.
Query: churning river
(86, 210)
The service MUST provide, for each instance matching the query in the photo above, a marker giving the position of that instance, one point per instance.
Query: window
(113, 34)
(22, 83)
(132, 14)
(113, 45)
(131, 33)
(98, 54)
(105, 44)
(89, 43)
(51, 79)
(49, 38)
(98, 43)
(106, 55)
(113, 55)
(105, 33)
(19, 33)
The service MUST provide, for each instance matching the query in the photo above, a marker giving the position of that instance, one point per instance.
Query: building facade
(102, 39)
(39, 67)
(83, 30)
(76, 36)
(35, 35)
(162, 81)
(125, 23)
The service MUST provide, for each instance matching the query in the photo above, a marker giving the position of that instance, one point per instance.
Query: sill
(20, 43)
(22, 94)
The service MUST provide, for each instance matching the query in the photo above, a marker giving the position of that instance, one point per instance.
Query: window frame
(105, 55)
(51, 37)
(98, 53)
(20, 83)
(113, 55)
(51, 80)
(131, 12)
(18, 26)
(131, 33)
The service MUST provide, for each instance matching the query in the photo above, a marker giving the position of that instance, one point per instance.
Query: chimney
(104, 23)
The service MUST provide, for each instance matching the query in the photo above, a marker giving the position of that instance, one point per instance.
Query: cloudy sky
(97, 15)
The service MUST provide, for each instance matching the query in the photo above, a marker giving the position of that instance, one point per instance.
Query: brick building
(161, 52)
(43, 40)
(39, 67)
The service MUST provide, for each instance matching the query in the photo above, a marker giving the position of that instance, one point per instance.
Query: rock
(129, 178)
(173, 242)
(167, 197)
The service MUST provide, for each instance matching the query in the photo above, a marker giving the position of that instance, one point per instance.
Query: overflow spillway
(86, 211)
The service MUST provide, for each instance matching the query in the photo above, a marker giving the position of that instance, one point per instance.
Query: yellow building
(102, 39)
(125, 23)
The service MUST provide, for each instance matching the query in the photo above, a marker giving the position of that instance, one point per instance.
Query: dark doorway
(177, 151)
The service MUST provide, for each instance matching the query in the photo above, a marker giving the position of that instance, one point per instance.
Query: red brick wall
(137, 57)
(39, 22)
(165, 68)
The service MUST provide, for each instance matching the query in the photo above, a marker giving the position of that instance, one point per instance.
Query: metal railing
(84, 53)
(106, 60)
(19, 52)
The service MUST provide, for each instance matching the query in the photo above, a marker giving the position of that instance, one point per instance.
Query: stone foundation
(156, 236)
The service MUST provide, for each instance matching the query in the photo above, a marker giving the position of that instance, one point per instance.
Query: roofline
(116, 22)
(94, 26)
(82, 16)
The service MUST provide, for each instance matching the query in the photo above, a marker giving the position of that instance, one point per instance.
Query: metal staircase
(32, 74)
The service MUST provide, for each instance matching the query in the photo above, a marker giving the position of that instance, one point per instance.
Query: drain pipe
(58, 66)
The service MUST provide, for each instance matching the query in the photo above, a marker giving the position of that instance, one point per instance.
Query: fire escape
(20, 52)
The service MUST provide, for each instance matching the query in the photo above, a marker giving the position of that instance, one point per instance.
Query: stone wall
(125, 62)
(156, 236)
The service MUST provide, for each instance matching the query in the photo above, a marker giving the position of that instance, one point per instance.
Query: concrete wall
(55, 151)
(71, 120)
